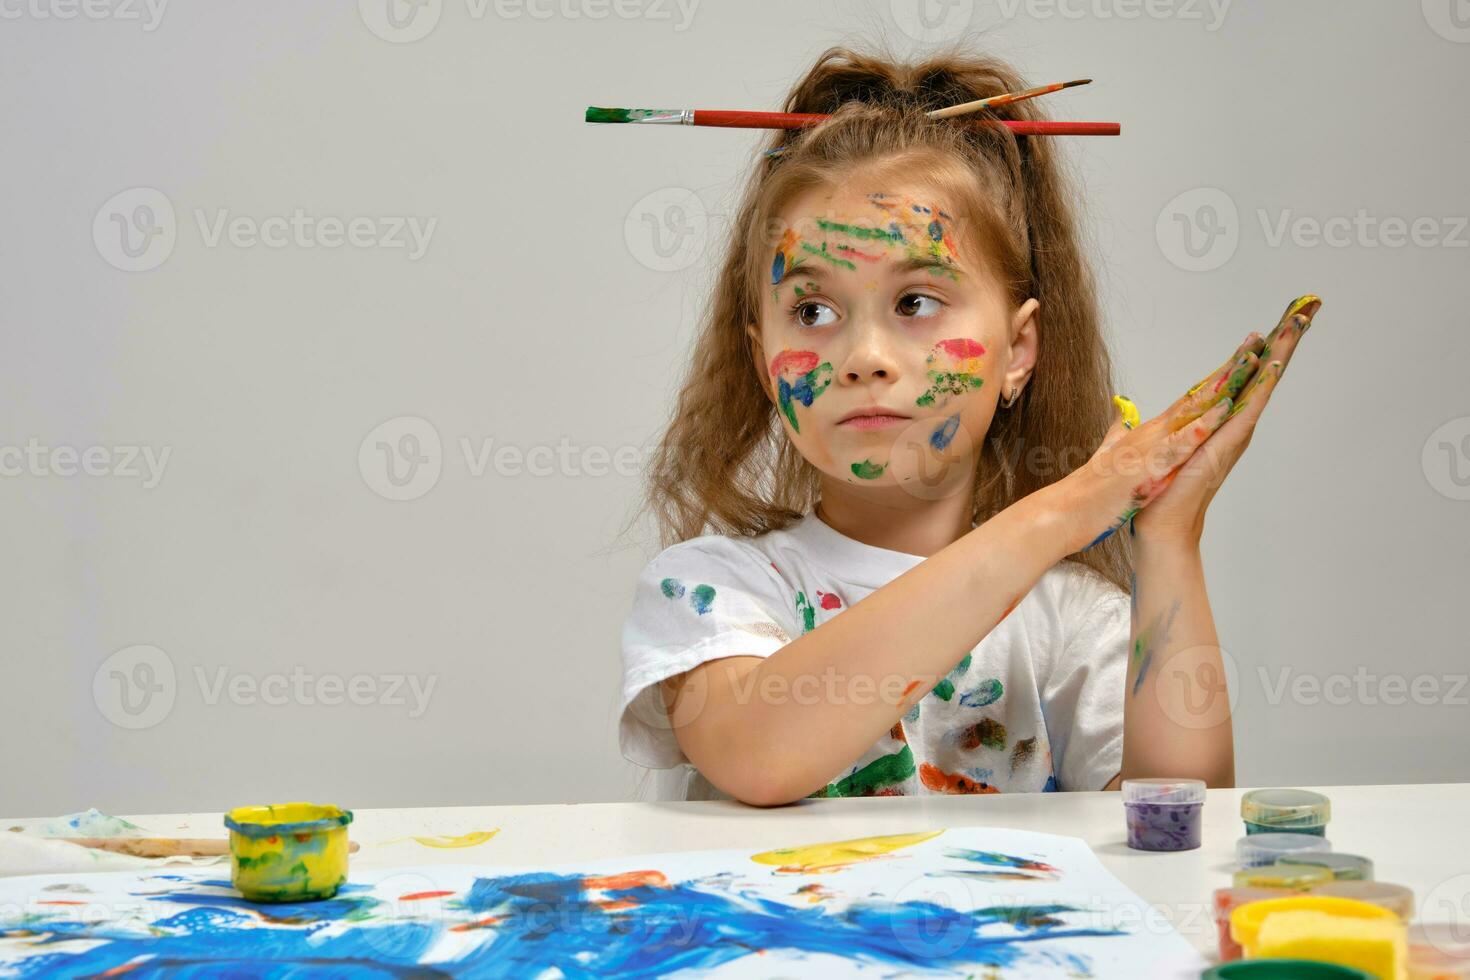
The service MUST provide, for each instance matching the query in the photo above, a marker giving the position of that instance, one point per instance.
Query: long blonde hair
(724, 465)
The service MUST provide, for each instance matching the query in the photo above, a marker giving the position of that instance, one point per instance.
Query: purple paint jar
(1164, 814)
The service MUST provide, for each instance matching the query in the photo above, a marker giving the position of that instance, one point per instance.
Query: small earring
(1012, 399)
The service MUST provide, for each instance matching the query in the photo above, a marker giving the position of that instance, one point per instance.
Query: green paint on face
(863, 232)
(823, 254)
(886, 771)
(868, 470)
(948, 383)
(807, 612)
(805, 390)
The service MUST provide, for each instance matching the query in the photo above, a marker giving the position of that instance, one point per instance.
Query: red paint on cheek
(961, 348)
(797, 361)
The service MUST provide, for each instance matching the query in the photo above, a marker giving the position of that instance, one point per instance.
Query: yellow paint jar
(1246, 919)
(290, 852)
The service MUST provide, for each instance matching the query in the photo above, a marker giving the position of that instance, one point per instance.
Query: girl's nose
(871, 356)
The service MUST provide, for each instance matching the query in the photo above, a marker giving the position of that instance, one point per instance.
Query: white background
(544, 310)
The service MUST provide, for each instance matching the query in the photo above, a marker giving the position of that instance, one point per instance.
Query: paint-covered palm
(1173, 463)
(1249, 379)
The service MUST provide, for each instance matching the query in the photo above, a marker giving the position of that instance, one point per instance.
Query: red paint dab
(828, 600)
(420, 896)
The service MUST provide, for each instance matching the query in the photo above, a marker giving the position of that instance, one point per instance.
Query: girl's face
(877, 302)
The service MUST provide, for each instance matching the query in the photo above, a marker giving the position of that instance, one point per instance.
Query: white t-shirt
(1036, 706)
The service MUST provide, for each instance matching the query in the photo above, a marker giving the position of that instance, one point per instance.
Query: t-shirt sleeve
(700, 600)
(1082, 698)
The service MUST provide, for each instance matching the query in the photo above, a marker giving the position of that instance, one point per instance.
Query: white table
(1417, 835)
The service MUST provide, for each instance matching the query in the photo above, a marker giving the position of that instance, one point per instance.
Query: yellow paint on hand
(819, 858)
(472, 839)
(1129, 410)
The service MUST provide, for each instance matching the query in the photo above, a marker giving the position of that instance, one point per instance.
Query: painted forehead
(895, 228)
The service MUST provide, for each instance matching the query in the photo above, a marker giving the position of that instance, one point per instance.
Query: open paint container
(1164, 814)
(290, 852)
(1285, 811)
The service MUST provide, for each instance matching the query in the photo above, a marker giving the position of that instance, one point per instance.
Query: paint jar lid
(1285, 808)
(1253, 850)
(1396, 898)
(1163, 791)
(1227, 898)
(1277, 969)
(1283, 877)
(1344, 867)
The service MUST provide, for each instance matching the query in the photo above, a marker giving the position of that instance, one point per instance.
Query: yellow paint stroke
(471, 839)
(819, 858)
(1129, 411)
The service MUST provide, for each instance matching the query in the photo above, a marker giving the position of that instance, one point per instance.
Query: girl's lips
(873, 421)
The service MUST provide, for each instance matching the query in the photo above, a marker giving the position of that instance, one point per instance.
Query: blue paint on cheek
(941, 437)
(936, 231)
(778, 266)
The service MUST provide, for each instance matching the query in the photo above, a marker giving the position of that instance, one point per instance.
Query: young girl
(896, 423)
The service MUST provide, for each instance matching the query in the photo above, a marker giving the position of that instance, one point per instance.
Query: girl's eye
(918, 305)
(807, 314)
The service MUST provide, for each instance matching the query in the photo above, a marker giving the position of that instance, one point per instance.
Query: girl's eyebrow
(914, 263)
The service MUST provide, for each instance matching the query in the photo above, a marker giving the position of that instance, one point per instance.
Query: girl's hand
(1136, 463)
(1179, 510)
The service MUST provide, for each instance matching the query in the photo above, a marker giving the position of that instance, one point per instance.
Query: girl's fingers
(1259, 391)
(1293, 322)
(1189, 437)
(1226, 382)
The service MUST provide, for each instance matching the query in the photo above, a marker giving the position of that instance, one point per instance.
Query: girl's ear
(1025, 345)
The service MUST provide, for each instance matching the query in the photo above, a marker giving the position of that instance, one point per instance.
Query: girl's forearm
(825, 698)
(1176, 708)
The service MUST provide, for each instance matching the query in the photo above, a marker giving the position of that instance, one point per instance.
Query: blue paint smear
(987, 692)
(702, 599)
(993, 859)
(941, 437)
(547, 922)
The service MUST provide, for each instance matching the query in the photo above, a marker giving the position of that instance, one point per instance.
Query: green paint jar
(1272, 969)
(1285, 811)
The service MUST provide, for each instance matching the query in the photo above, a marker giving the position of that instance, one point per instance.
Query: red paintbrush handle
(749, 119)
